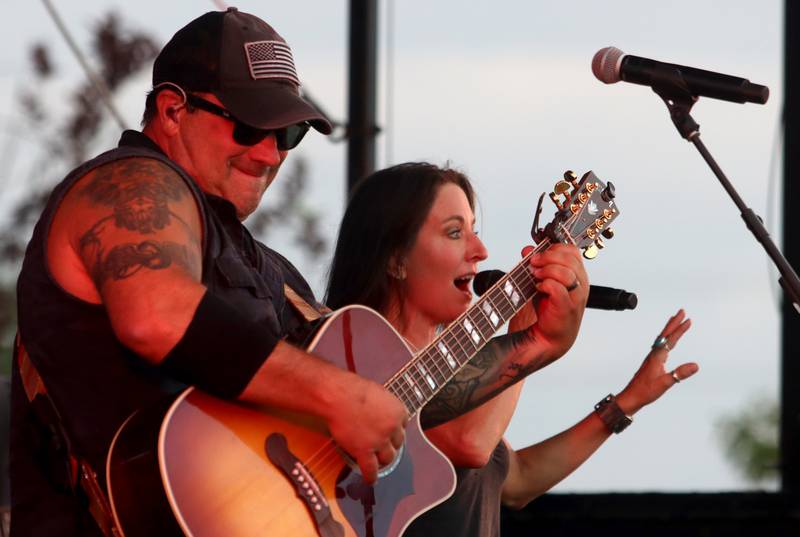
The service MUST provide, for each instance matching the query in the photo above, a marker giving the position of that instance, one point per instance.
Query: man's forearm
(504, 361)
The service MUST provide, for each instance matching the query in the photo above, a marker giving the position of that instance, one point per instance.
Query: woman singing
(408, 249)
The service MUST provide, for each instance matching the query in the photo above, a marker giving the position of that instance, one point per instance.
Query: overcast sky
(504, 91)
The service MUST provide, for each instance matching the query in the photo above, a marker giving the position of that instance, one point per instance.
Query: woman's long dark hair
(380, 224)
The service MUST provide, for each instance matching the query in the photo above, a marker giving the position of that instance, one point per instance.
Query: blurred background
(503, 91)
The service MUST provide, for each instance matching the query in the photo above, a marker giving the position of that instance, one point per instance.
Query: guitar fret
(449, 365)
(488, 308)
(445, 369)
(524, 281)
(412, 384)
(471, 330)
(427, 378)
(435, 368)
(461, 336)
(457, 349)
(485, 316)
(511, 291)
(399, 388)
(420, 386)
(401, 394)
(506, 306)
(447, 354)
(482, 324)
(501, 309)
(399, 385)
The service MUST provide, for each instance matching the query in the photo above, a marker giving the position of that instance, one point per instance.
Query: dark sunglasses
(286, 138)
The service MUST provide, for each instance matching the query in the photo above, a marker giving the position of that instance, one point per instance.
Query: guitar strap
(306, 310)
(80, 472)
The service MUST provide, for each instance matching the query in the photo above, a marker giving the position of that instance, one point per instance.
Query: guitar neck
(433, 367)
(584, 214)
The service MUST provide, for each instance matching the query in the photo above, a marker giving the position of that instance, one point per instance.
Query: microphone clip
(668, 84)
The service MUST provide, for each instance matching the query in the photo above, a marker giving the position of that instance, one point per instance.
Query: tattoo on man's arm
(138, 191)
(125, 260)
(485, 376)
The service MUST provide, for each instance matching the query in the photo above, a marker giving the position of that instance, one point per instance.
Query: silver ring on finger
(662, 342)
(675, 376)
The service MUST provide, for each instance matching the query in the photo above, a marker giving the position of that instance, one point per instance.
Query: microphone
(602, 298)
(611, 65)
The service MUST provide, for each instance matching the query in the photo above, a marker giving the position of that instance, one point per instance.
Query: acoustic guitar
(201, 466)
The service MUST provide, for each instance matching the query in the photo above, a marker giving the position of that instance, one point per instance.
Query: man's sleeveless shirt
(94, 381)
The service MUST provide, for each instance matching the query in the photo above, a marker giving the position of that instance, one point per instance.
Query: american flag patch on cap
(271, 59)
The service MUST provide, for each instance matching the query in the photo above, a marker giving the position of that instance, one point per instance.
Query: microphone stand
(670, 86)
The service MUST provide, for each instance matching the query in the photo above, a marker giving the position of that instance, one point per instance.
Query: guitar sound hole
(382, 472)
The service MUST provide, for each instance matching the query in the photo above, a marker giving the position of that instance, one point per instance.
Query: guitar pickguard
(371, 510)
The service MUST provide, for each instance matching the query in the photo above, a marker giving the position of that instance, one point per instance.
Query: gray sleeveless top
(474, 508)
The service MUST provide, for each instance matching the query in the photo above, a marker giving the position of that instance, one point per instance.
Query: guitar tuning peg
(572, 178)
(608, 233)
(561, 187)
(599, 243)
(609, 192)
(591, 251)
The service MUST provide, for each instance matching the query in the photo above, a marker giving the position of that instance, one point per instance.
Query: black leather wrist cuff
(612, 415)
(220, 351)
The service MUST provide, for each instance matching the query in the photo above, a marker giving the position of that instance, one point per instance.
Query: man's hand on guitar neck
(364, 418)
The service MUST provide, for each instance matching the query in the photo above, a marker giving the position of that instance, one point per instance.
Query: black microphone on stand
(601, 298)
(611, 65)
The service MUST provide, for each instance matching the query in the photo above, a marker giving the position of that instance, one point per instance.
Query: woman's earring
(398, 273)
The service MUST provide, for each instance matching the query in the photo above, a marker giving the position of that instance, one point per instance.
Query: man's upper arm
(136, 228)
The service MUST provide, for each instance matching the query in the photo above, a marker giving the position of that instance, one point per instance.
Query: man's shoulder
(291, 274)
(287, 267)
(133, 169)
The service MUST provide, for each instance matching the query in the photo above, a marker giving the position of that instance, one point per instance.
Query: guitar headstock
(585, 212)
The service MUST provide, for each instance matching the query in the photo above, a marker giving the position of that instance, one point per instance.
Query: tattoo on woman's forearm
(485, 376)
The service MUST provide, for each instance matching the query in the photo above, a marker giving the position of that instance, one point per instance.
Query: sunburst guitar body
(223, 468)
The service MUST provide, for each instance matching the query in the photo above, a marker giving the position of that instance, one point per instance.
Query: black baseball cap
(245, 63)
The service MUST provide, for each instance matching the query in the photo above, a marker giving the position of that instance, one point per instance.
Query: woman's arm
(537, 468)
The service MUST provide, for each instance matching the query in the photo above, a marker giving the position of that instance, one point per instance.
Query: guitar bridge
(305, 485)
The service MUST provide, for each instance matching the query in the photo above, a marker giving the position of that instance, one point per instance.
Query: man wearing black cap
(140, 278)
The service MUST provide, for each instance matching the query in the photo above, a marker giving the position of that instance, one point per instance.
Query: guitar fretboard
(432, 368)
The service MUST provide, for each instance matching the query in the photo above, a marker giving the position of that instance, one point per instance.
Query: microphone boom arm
(679, 100)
